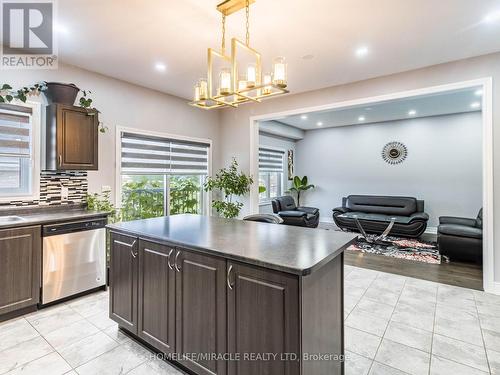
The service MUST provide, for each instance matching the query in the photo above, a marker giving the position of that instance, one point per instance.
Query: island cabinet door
(201, 312)
(157, 295)
(263, 321)
(123, 281)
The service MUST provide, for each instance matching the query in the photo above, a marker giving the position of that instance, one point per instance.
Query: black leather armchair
(461, 238)
(292, 215)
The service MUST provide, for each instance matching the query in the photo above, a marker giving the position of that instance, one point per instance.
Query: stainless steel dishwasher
(74, 258)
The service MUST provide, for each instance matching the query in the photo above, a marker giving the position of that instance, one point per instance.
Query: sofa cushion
(292, 213)
(402, 206)
(287, 203)
(376, 217)
(460, 230)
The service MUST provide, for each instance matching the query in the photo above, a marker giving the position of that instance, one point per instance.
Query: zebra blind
(144, 154)
(271, 160)
(15, 135)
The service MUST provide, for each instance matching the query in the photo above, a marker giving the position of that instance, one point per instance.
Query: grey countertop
(285, 248)
(47, 215)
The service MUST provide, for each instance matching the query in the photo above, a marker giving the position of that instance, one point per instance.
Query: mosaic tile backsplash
(51, 185)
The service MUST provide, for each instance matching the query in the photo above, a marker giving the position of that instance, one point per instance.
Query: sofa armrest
(340, 210)
(419, 216)
(296, 214)
(457, 220)
(308, 210)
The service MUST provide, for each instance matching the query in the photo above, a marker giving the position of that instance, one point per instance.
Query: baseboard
(326, 220)
(492, 288)
(431, 230)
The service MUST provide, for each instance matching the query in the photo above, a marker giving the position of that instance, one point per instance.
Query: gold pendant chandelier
(228, 88)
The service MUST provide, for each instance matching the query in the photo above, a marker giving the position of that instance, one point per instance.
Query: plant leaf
(6, 86)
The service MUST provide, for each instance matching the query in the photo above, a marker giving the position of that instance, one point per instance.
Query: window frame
(118, 152)
(35, 160)
(268, 199)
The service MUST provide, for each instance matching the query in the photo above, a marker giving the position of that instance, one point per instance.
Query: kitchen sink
(10, 219)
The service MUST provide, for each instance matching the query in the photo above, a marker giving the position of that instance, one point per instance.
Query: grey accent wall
(443, 167)
(279, 143)
(236, 122)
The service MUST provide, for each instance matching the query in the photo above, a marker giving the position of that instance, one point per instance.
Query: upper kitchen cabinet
(71, 138)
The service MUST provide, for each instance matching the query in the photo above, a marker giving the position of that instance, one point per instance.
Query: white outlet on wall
(64, 192)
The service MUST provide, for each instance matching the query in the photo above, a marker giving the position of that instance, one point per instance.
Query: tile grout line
(389, 322)
(482, 335)
(433, 329)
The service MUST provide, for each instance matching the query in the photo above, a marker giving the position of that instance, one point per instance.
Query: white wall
(443, 167)
(236, 131)
(282, 144)
(127, 105)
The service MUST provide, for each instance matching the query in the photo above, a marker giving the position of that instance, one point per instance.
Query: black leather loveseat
(375, 213)
(292, 215)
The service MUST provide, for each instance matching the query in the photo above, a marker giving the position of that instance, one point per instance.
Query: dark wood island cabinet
(231, 297)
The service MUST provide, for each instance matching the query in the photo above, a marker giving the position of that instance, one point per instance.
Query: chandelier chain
(223, 46)
(247, 9)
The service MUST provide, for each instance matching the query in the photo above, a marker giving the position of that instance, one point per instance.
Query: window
(18, 178)
(161, 176)
(271, 173)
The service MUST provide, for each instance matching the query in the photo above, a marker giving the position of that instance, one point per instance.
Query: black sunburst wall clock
(394, 153)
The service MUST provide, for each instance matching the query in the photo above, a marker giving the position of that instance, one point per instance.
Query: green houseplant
(300, 185)
(230, 183)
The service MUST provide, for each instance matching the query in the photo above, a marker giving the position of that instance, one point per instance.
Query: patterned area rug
(403, 248)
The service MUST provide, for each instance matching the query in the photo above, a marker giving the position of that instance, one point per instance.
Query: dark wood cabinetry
(123, 276)
(220, 316)
(157, 295)
(20, 252)
(71, 138)
(263, 318)
(201, 310)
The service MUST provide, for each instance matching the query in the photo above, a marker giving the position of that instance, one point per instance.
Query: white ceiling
(451, 102)
(126, 38)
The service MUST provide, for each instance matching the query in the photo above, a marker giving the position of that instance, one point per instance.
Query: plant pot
(61, 93)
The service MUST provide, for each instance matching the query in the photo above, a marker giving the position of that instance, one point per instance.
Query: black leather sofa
(461, 238)
(292, 215)
(375, 213)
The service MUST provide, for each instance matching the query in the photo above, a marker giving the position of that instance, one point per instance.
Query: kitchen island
(225, 296)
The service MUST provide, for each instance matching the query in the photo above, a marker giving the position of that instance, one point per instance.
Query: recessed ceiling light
(362, 51)
(161, 67)
(303, 117)
(361, 118)
(319, 123)
(412, 112)
(475, 105)
(478, 92)
(492, 17)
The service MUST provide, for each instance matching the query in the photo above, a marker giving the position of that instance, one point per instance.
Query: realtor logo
(28, 35)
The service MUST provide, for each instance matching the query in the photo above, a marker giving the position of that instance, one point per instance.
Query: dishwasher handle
(74, 226)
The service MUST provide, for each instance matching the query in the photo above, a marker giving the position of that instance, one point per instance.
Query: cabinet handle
(177, 268)
(125, 244)
(168, 259)
(134, 255)
(228, 278)
(59, 159)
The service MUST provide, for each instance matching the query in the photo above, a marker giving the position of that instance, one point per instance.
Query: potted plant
(61, 93)
(300, 185)
(229, 182)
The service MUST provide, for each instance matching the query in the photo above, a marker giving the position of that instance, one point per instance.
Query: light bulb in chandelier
(280, 72)
(251, 75)
(225, 81)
